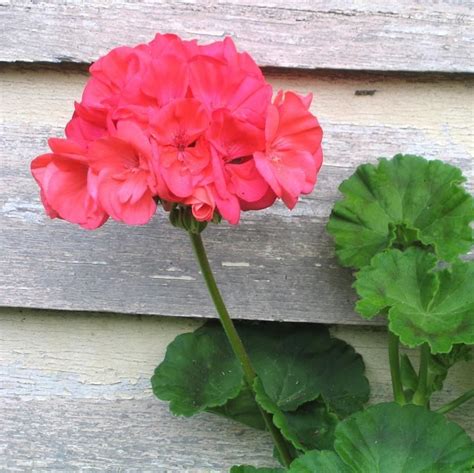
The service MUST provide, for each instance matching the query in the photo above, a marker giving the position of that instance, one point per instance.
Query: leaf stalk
(456, 402)
(420, 398)
(394, 360)
(235, 341)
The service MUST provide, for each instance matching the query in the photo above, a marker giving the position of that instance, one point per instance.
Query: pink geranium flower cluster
(172, 121)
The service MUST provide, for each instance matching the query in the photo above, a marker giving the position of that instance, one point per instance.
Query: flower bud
(182, 217)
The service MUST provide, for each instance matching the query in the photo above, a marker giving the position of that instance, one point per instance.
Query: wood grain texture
(276, 265)
(68, 435)
(63, 408)
(406, 35)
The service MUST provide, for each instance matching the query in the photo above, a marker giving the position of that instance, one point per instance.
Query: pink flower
(110, 75)
(202, 204)
(64, 177)
(86, 125)
(235, 175)
(125, 183)
(171, 44)
(226, 52)
(293, 156)
(183, 158)
(218, 86)
(142, 97)
(175, 122)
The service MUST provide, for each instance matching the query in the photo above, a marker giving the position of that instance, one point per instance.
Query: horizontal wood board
(63, 408)
(276, 264)
(405, 35)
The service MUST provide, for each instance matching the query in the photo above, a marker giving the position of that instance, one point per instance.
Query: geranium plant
(191, 128)
(197, 131)
(403, 225)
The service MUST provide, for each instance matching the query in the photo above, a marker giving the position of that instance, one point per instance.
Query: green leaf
(294, 453)
(440, 364)
(199, 371)
(310, 427)
(389, 438)
(423, 305)
(409, 377)
(297, 363)
(242, 409)
(253, 469)
(399, 202)
(317, 461)
(408, 373)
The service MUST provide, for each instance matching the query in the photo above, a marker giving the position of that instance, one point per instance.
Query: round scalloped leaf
(297, 363)
(253, 469)
(389, 438)
(397, 202)
(199, 371)
(313, 425)
(317, 461)
(309, 427)
(242, 409)
(440, 364)
(423, 305)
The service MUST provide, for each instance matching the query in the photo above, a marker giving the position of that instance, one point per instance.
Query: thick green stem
(456, 402)
(420, 398)
(394, 359)
(236, 342)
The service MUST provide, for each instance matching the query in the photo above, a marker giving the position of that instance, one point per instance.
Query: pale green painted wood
(75, 396)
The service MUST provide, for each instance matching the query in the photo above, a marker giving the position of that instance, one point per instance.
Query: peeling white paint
(21, 209)
(73, 261)
(166, 276)
(235, 264)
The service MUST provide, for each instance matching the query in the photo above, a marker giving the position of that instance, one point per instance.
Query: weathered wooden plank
(275, 265)
(405, 35)
(75, 396)
(134, 436)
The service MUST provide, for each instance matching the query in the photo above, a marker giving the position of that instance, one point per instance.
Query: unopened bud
(182, 217)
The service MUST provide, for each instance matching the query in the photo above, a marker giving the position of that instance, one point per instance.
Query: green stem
(235, 341)
(394, 359)
(456, 402)
(420, 397)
